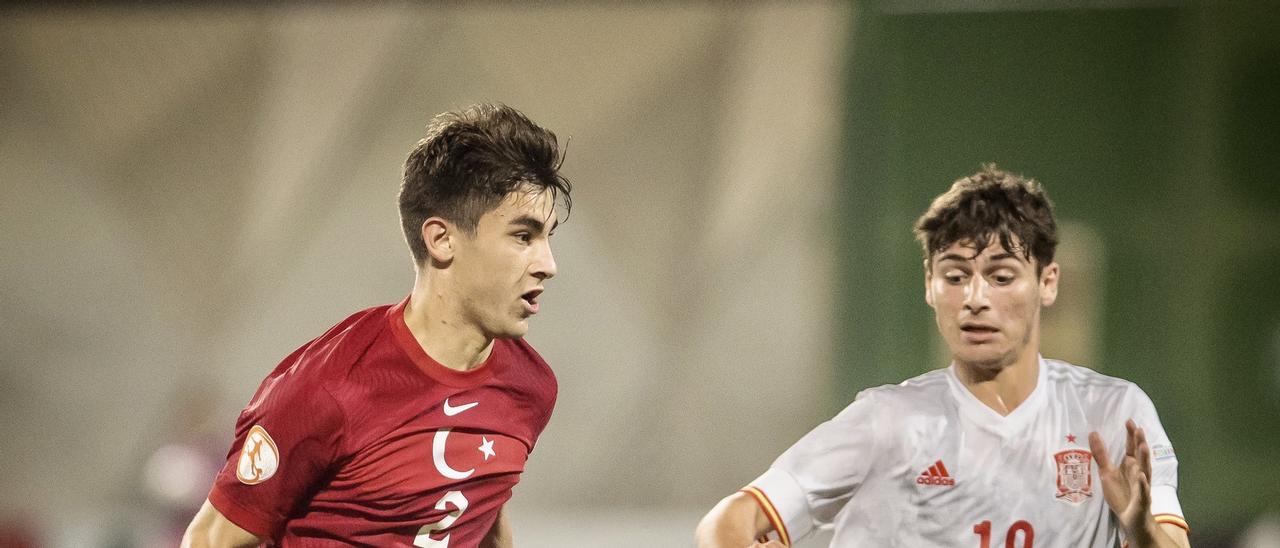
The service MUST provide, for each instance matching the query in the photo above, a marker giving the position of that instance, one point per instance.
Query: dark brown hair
(469, 161)
(992, 203)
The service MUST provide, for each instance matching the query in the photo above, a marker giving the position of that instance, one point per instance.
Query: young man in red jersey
(409, 424)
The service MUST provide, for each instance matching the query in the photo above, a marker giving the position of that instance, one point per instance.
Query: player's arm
(832, 459)
(211, 528)
(499, 536)
(1176, 534)
(1126, 486)
(736, 522)
(1159, 535)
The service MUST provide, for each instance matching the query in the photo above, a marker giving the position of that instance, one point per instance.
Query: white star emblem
(487, 447)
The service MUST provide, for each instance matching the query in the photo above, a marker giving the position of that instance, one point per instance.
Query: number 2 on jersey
(983, 530)
(459, 501)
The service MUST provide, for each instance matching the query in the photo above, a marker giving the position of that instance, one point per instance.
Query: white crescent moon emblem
(437, 455)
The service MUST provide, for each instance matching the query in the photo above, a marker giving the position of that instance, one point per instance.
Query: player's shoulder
(527, 379)
(913, 392)
(924, 384)
(1087, 383)
(524, 359)
(301, 382)
(334, 353)
(521, 350)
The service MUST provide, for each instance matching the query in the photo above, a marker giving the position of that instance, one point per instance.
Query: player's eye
(954, 278)
(524, 237)
(1002, 278)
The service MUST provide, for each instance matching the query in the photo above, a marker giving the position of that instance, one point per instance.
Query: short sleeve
(812, 481)
(286, 441)
(1164, 463)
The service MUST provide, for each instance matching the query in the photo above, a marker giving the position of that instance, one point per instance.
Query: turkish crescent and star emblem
(1075, 475)
(439, 444)
(259, 457)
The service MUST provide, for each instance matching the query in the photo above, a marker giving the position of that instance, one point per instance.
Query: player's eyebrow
(993, 259)
(1005, 255)
(532, 223)
(954, 257)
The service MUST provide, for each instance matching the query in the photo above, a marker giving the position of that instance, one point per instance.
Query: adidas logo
(936, 475)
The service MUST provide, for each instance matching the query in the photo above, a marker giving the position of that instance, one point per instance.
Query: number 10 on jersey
(983, 530)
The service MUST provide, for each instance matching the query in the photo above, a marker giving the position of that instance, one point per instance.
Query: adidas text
(931, 480)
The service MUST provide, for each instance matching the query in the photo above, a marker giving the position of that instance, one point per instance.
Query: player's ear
(1049, 284)
(928, 283)
(438, 234)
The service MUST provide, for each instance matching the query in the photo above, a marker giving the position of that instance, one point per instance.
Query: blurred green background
(1153, 127)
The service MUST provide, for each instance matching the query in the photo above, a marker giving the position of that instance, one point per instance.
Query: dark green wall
(1156, 127)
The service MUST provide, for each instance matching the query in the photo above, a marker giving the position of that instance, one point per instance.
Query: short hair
(992, 203)
(469, 161)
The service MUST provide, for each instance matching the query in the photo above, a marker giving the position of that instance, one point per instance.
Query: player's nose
(544, 263)
(975, 295)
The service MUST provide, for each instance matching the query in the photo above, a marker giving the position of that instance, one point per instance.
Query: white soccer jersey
(925, 463)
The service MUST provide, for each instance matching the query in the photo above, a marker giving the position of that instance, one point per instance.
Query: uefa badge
(259, 457)
(1075, 477)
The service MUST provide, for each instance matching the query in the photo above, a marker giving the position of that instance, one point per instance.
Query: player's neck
(434, 320)
(1002, 388)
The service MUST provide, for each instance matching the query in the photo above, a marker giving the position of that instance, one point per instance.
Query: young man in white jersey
(1001, 448)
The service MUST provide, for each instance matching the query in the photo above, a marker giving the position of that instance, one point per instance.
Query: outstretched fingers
(1131, 438)
(1144, 494)
(1099, 451)
(1144, 454)
(1132, 475)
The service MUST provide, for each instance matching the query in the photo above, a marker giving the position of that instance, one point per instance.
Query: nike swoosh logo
(451, 410)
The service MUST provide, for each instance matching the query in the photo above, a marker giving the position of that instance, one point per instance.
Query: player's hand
(1126, 486)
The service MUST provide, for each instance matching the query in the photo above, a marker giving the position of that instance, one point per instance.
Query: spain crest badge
(1075, 475)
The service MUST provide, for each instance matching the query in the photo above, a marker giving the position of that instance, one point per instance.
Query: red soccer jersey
(360, 438)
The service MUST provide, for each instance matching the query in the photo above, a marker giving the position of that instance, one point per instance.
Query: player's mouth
(530, 299)
(977, 333)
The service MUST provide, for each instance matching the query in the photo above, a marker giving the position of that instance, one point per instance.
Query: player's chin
(982, 356)
(515, 329)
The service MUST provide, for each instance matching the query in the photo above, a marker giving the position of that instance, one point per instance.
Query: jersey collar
(1004, 425)
(434, 369)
